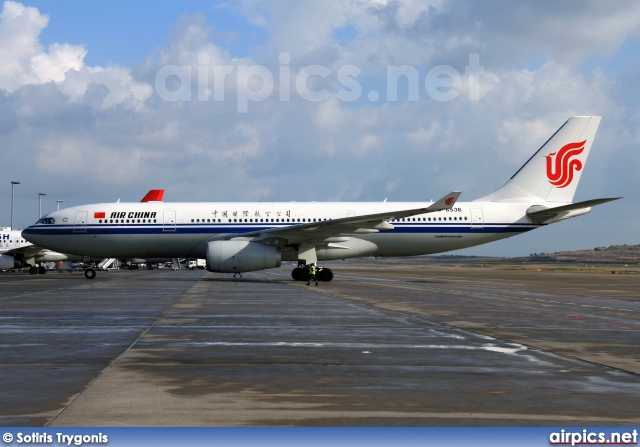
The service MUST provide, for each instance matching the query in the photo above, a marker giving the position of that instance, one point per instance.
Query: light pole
(40, 194)
(59, 202)
(12, 185)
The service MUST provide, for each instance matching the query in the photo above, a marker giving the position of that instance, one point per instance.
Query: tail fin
(553, 173)
(154, 195)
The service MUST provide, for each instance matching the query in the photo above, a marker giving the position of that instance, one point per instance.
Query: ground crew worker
(312, 274)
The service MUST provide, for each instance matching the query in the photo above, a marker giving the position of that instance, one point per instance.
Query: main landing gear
(301, 273)
(37, 270)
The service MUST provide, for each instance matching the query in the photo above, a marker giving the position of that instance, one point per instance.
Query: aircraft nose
(32, 235)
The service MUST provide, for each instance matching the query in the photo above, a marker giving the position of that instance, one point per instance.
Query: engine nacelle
(241, 256)
(7, 262)
(52, 256)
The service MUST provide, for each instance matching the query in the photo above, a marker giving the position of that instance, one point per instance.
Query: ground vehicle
(196, 264)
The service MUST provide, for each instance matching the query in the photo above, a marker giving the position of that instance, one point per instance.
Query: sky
(403, 100)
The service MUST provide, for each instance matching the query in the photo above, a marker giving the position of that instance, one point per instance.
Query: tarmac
(384, 344)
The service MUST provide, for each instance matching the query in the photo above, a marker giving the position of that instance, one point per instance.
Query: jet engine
(241, 256)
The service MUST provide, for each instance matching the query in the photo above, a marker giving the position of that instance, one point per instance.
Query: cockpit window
(46, 221)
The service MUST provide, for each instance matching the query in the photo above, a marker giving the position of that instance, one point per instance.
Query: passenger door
(169, 221)
(477, 220)
(80, 222)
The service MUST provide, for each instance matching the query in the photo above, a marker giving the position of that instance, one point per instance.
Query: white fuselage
(164, 229)
(12, 240)
(14, 246)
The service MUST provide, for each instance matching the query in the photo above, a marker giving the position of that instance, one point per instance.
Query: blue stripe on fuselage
(207, 229)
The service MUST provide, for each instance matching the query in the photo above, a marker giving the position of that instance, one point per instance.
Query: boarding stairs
(106, 263)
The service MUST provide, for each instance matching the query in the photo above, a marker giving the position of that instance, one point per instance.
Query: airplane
(250, 236)
(15, 251)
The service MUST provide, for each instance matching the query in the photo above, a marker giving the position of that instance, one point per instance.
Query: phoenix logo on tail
(561, 168)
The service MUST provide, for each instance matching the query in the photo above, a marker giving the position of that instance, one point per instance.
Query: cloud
(24, 59)
(20, 27)
(96, 133)
(26, 62)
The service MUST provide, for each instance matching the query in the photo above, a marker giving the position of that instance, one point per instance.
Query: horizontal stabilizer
(541, 214)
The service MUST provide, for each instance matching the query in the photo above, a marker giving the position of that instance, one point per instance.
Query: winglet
(444, 203)
(155, 195)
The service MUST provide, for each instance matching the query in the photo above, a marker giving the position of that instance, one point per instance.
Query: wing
(347, 226)
(28, 251)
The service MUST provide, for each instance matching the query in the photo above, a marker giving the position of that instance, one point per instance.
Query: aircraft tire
(325, 275)
(42, 270)
(299, 274)
(33, 270)
(89, 273)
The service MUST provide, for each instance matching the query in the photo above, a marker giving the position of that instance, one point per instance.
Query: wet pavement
(383, 344)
